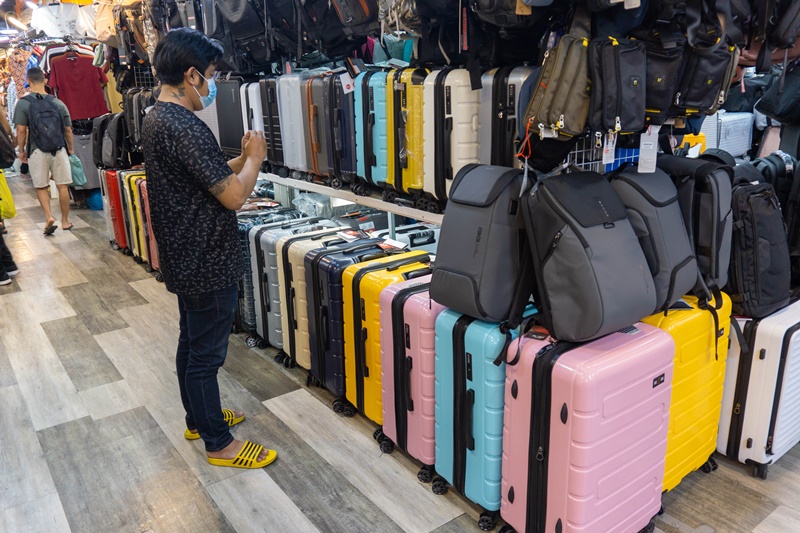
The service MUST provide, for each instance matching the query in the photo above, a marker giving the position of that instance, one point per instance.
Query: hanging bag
(782, 100)
(78, 175)
(618, 70)
(7, 208)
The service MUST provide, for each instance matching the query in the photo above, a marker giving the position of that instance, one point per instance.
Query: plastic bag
(7, 209)
(78, 175)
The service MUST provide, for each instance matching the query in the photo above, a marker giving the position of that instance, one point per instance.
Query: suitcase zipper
(618, 111)
(460, 411)
(402, 343)
(365, 111)
(398, 131)
(538, 449)
(740, 392)
(776, 401)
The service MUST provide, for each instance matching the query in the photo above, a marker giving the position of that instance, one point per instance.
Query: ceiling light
(9, 32)
(17, 23)
(31, 5)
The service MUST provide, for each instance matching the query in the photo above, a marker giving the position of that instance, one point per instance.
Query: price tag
(348, 85)
(632, 4)
(351, 235)
(367, 226)
(648, 150)
(391, 243)
(609, 146)
(523, 9)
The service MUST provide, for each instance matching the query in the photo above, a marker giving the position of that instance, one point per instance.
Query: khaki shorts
(41, 164)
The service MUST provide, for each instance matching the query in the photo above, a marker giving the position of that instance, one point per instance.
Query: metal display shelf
(345, 194)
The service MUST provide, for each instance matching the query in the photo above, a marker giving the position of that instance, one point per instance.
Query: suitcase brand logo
(659, 380)
(477, 242)
(469, 366)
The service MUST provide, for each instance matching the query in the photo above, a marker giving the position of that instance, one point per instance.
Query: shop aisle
(91, 426)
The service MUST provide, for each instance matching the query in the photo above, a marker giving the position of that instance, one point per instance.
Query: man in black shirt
(194, 194)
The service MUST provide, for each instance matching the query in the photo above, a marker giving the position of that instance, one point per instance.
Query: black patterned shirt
(197, 237)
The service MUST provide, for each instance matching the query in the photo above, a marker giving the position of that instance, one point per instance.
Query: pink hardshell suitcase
(152, 246)
(590, 456)
(408, 358)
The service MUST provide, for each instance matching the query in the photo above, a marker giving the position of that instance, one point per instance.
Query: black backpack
(757, 280)
(98, 131)
(46, 124)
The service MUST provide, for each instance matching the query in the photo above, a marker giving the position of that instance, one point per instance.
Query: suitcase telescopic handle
(471, 405)
(448, 148)
(314, 129)
(372, 160)
(364, 367)
(409, 401)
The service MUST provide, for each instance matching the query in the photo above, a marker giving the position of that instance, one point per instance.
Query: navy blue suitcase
(324, 269)
(341, 142)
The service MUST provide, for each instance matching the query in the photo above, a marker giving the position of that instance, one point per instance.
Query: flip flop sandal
(230, 418)
(50, 230)
(247, 457)
(67, 228)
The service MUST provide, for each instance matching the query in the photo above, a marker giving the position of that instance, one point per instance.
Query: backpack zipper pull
(598, 139)
(560, 123)
(617, 124)
(678, 99)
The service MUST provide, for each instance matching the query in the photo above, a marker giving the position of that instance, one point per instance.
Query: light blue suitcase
(371, 133)
(470, 393)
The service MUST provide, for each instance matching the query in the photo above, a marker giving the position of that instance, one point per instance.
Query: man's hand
(244, 143)
(23, 156)
(256, 145)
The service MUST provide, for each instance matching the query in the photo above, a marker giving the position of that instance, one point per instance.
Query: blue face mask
(206, 101)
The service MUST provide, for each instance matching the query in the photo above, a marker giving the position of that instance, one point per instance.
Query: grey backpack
(592, 277)
(655, 214)
(704, 192)
(483, 261)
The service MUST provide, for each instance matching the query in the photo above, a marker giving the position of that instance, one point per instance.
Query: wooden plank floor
(91, 423)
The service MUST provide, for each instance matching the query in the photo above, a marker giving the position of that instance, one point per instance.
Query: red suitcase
(585, 431)
(115, 209)
(149, 236)
(408, 359)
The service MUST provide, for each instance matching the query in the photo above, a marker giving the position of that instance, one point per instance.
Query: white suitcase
(450, 113)
(252, 111)
(420, 236)
(761, 402)
(243, 101)
(291, 251)
(101, 173)
(499, 104)
(291, 102)
(732, 132)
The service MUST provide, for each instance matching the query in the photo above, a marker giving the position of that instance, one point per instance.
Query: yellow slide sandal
(230, 418)
(247, 457)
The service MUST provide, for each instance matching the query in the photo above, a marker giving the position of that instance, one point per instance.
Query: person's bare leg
(44, 200)
(63, 202)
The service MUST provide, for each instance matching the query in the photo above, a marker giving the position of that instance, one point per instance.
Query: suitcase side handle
(369, 149)
(448, 148)
(422, 238)
(409, 401)
(291, 308)
(364, 367)
(468, 427)
(323, 314)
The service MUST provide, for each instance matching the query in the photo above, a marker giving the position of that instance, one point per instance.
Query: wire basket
(589, 157)
(143, 77)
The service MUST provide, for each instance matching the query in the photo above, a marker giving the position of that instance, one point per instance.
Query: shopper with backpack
(44, 138)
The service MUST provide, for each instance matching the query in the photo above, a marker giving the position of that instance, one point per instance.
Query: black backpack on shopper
(45, 123)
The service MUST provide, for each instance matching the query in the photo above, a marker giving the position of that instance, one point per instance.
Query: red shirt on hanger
(78, 83)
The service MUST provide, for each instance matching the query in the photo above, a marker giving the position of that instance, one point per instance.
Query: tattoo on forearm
(219, 187)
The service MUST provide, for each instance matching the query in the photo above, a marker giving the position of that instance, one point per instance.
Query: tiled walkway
(91, 425)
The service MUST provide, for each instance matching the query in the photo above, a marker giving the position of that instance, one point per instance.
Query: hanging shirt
(18, 65)
(55, 20)
(87, 14)
(11, 100)
(78, 83)
(56, 50)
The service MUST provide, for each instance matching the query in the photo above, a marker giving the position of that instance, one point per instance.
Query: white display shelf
(373, 200)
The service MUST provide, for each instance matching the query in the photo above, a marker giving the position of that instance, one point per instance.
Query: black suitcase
(340, 115)
(272, 124)
(229, 104)
(324, 270)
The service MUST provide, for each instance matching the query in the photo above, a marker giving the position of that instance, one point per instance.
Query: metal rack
(588, 156)
(373, 201)
(143, 77)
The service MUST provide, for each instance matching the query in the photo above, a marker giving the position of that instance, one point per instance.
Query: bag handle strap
(581, 22)
(705, 25)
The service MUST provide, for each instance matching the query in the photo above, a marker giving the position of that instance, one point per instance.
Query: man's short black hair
(181, 50)
(35, 75)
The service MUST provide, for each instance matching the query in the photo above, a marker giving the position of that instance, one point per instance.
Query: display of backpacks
(664, 46)
(479, 268)
(46, 124)
(652, 204)
(358, 18)
(758, 281)
(245, 21)
(705, 80)
(592, 276)
(99, 126)
(115, 143)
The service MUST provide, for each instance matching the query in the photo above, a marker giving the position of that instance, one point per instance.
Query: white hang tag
(632, 4)
(648, 150)
(524, 178)
(609, 146)
(348, 85)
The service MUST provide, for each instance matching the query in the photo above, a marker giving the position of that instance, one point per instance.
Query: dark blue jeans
(203, 345)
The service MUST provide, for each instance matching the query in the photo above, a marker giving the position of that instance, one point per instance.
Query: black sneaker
(11, 269)
(5, 279)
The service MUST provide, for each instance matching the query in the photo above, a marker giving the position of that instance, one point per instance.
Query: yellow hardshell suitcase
(291, 251)
(362, 285)
(138, 246)
(404, 97)
(697, 386)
